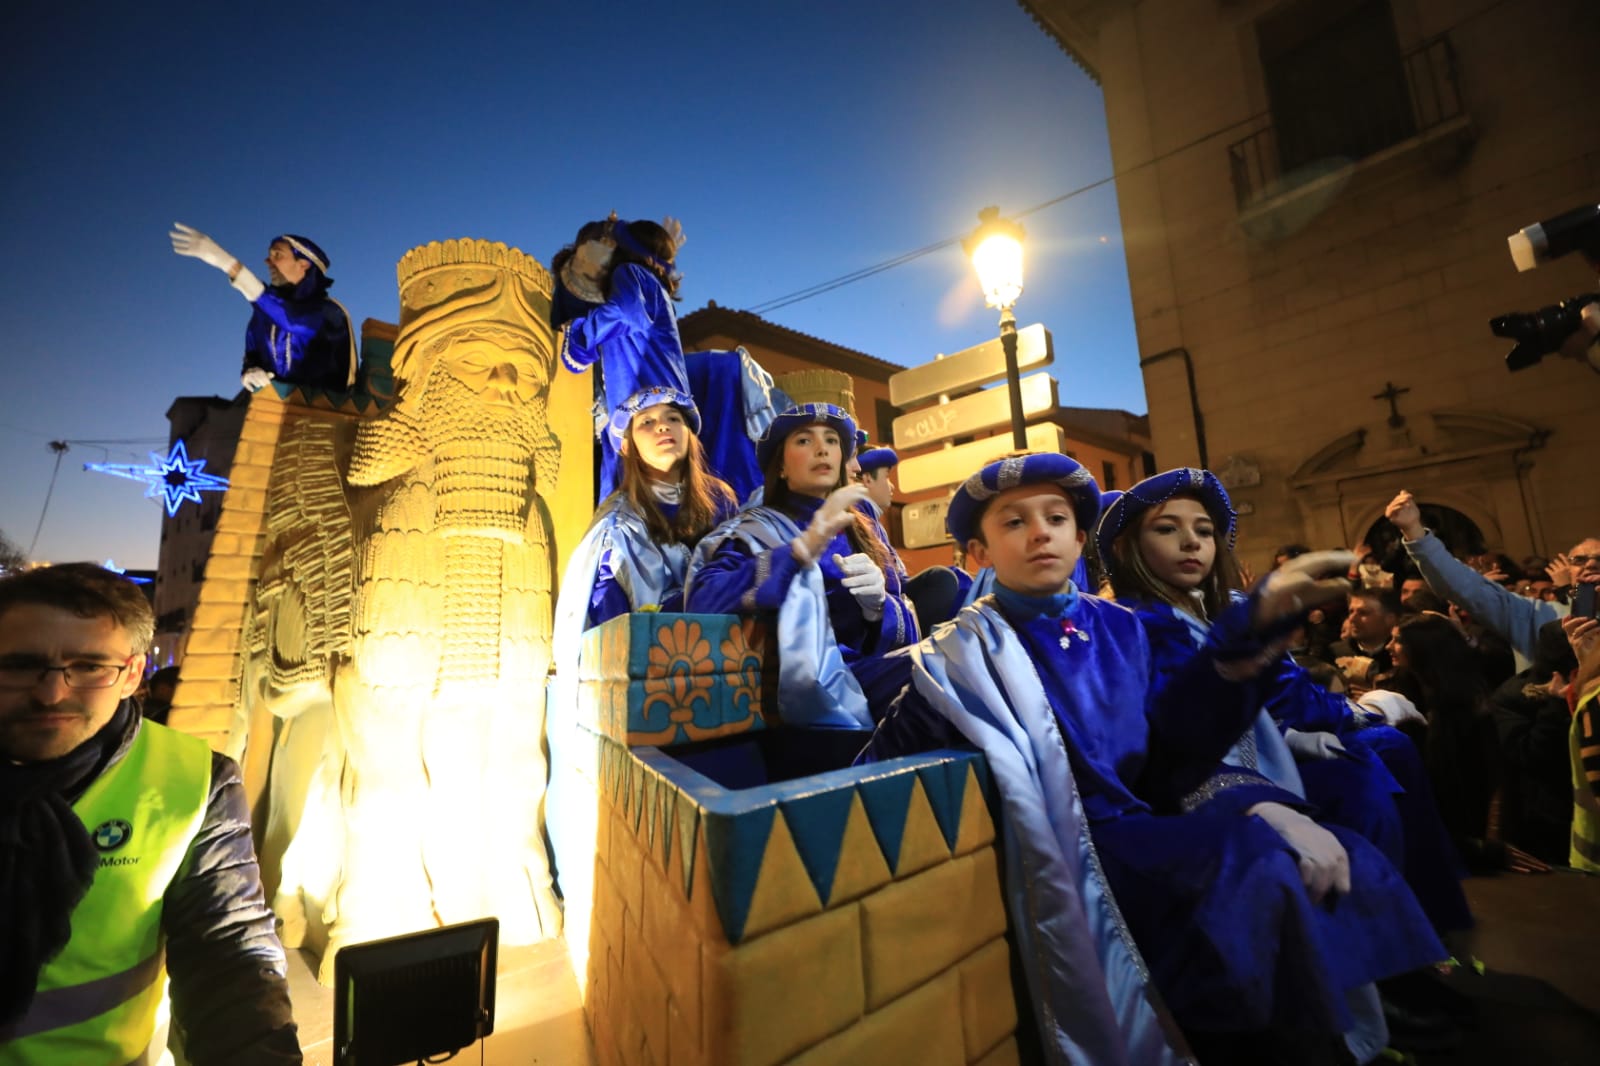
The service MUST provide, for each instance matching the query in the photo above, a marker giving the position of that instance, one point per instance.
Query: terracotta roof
(745, 327)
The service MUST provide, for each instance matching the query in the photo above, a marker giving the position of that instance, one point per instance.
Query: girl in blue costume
(633, 335)
(1159, 542)
(811, 556)
(1146, 882)
(633, 557)
(636, 551)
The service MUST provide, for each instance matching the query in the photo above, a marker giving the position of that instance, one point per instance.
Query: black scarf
(47, 860)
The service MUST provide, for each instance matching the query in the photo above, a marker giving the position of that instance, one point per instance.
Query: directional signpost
(956, 404)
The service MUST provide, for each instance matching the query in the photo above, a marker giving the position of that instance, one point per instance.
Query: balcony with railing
(1381, 112)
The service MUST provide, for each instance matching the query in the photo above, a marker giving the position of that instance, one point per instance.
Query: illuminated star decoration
(175, 478)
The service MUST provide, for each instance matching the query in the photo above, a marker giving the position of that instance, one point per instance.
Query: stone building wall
(1299, 309)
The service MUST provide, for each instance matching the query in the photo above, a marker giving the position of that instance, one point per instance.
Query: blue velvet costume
(634, 337)
(833, 663)
(1107, 765)
(301, 334)
(1378, 787)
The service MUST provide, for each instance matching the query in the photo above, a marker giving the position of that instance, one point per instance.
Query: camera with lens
(1572, 326)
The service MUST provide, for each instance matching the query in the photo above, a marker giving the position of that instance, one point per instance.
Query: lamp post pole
(1008, 343)
(996, 251)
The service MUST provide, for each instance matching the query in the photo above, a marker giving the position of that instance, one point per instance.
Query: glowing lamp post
(996, 251)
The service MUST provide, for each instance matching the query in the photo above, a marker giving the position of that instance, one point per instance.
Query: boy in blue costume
(1167, 545)
(297, 332)
(1142, 877)
(812, 556)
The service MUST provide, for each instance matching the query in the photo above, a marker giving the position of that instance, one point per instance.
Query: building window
(1335, 80)
(1108, 475)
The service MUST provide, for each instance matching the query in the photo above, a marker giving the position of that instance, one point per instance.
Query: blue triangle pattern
(735, 847)
(817, 824)
(887, 800)
(945, 783)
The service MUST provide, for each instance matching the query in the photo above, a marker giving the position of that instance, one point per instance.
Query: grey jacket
(1515, 618)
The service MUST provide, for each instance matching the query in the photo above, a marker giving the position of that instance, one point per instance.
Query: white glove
(1312, 745)
(865, 580)
(186, 240)
(1394, 707)
(255, 378)
(1301, 584)
(837, 513)
(1324, 864)
(674, 230)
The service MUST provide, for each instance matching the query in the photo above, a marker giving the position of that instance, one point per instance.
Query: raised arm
(1513, 617)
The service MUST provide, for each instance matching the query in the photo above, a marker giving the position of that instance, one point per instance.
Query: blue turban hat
(800, 416)
(653, 396)
(1038, 468)
(316, 280)
(1123, 512)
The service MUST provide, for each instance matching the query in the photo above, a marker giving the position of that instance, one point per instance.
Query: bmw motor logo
(111, 835)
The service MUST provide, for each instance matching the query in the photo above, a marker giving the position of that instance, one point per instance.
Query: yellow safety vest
(96, 1002)
(1585, 854)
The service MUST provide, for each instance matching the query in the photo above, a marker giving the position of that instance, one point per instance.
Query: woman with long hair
(811, 556)
(1167, 544)
(632, 558)
(632, 334)
(1437, 667)
(637, 548)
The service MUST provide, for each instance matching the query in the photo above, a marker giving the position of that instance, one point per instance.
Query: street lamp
(996, 251)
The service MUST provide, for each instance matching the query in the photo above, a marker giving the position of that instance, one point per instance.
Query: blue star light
(175, 478)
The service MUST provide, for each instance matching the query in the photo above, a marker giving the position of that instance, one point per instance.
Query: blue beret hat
(800, 416)
(1123, 512)
(878, 458)
(651, 397)
(1038, 468)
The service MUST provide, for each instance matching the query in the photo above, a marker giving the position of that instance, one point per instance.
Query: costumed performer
(633, 335)
(633, 557)
(812, 556)
(297, 332)
(1142, 876)
(1167, 544)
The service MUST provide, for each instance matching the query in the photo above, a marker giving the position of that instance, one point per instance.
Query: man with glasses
(125, 851)
(1515, 618)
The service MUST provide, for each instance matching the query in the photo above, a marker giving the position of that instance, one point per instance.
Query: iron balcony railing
(1344, 127)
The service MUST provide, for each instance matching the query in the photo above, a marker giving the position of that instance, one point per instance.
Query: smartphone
(1584, 601)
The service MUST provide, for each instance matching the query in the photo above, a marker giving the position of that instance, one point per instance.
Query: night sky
(796, 141)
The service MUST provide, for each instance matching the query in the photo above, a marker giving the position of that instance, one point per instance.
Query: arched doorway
(1459, 533)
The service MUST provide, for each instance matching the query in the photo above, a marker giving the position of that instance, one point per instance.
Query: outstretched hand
(1561, 571)
(1406, 515)
(1304, 582)
(186, 240)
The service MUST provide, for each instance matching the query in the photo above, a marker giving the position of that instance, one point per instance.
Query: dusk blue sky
(796, 142)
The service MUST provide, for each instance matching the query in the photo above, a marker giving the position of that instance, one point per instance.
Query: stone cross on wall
(1392, 394)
